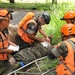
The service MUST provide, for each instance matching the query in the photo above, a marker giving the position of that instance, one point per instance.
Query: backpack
(26, 18)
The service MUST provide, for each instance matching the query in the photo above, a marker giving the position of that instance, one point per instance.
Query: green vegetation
(32, 6)
(56, 13)
(44, 65)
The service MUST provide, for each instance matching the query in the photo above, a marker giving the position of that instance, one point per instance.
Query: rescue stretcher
(26, 69)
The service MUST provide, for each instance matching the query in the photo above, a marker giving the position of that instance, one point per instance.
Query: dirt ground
(19, 14)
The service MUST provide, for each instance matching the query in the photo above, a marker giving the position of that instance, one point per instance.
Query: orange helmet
(68, 29)
(69, 15)
(5, 14)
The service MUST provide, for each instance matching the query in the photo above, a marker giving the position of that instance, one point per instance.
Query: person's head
(44, 18)
(69, 17)
(5, 17)
(67, 31)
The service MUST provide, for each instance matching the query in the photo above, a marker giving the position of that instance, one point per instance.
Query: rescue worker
(65, 51)
(69, 17)
(5, 17)
(26, 34)
(31, 53)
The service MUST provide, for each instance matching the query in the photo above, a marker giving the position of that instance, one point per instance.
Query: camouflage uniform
(57, 51)
(5, 67)
(29, 54)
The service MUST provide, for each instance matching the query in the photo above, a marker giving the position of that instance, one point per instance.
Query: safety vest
(3, 45)
(23, 34)
(67, 65)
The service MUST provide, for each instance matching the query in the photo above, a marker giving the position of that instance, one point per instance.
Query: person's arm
(8, 51)
(59, 50)
(13, 46)
(44, 35)
(11, 43)
(36, 38)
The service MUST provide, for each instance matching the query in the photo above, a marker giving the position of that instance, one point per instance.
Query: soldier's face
(42, 21)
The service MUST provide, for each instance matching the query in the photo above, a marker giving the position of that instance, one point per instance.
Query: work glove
(14, 48)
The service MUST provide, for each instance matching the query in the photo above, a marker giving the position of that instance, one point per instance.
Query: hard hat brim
(62, 19)
(66, 18)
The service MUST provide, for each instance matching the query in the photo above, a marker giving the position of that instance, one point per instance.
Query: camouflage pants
(29, 54)
(5, 67)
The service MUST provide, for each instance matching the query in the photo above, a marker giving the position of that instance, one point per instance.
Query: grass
(32, 6)
(45, 65)
(55, 25)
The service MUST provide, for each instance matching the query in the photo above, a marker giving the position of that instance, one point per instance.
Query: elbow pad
(61, 50)
(51, 56)
(55, 52)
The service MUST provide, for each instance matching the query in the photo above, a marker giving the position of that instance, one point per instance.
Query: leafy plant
(55, 25)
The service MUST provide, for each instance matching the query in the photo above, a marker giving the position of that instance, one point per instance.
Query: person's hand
(47, 39)
(15, 48)
(11, 43)
(50, 37)
(9, 51)
(42, 39)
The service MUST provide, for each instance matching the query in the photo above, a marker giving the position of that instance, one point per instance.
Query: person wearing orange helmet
(69, 17)
(65, 51)
(6, 46)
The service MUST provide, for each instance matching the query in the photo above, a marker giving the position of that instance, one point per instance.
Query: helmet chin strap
(72, 21)
(0, 20)
(39, 23)
(66, 37)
